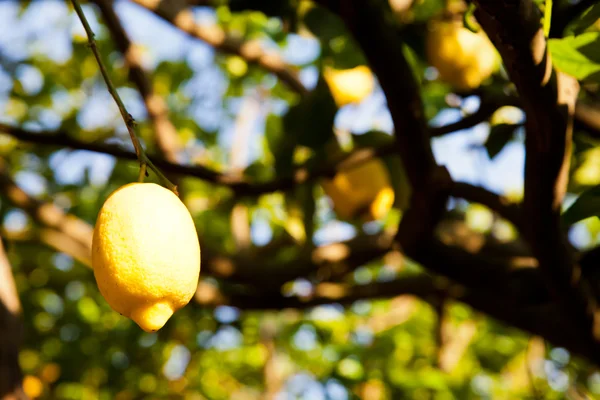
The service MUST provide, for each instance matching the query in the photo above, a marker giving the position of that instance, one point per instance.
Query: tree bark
(10, 333)
(548, 98)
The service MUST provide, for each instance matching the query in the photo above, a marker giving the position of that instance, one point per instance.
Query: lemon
(506, 115)
(32, 386)
(349, 85)
(145, 254)
(463, 59)
(363, 190)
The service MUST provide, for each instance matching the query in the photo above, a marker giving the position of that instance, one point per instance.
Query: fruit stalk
(127, 118)
(142, 173)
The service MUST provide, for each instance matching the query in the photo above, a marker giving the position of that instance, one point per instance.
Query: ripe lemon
(364, 191)
(349, 85)
(463, 59)
(145, 254)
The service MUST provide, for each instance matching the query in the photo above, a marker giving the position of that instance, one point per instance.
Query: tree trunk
(10, 333)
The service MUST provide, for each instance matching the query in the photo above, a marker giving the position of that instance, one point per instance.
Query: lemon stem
(468, 19)
(142, 174)
(127, 118)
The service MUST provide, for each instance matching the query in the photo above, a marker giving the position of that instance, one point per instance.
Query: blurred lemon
(32, 386)
(237, 66)
(374, 389)
(145, 254)
(363, 190)
(507, 115)
(349, 85)
(463, 59)
(588, 171)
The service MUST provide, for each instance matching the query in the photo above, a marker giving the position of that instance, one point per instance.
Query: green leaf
(587, 205)
(324, 24)
(578, 56)
(434, 98)
(280, 143)
(274, 133)
(584, 21)
(23, 7)
(414, 61)
(337, 45)
(547, 17)
(175, 72)
(310, 122)
(499, 136)
(344, 53)
(400, 183)
(424, 10)
(373, 139)
(258, 171)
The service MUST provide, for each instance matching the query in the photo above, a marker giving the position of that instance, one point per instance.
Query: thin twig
(509, 299)
(127, 118)
(238, 184)
(180, 15)
(498, 203)
(241, 186)
(485, 111)
(142, 173)
(165, 132)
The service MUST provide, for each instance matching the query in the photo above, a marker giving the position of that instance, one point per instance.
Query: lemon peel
(349, 85)
(463, 58)
(145, 254)
(364, 190)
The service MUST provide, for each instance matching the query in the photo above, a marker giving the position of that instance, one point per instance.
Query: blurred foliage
(76, 347)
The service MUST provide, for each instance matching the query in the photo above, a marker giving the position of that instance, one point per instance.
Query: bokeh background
(229, 116)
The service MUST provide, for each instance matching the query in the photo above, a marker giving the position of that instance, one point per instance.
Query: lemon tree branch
(510, 305)
(127, 118)
(504, 207)
(587, 117)
(239, 185)
(10, 334)
(548, 98)
(516, 296)
(484, 112)
(72, 235)
(48, 215)
(375, 36)
(430, 183)
(243, 187)
(354, 252)
(177, 13)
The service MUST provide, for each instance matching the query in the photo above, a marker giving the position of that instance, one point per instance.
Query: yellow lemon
(145, 254)
(463, 59)
(349, 85)
(506, 115)
(363, 190)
